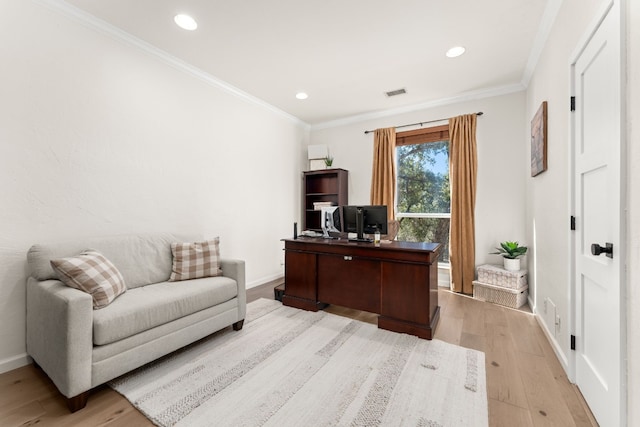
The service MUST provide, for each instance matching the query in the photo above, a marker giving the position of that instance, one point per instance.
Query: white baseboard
(264, 280)
(15, 362)
(444, 280)
(562, 357)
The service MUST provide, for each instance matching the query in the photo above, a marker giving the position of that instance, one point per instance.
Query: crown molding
(463, 97)
(544, 29)
(118, 34)
(103, 27)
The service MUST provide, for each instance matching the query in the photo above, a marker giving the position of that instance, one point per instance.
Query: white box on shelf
(514, 298)
(317, 206)
(498, 276)
(317, 164)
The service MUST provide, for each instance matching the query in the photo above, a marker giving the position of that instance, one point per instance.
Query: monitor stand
(360, 227)
(326, 235)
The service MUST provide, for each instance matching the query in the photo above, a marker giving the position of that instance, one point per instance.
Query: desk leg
(304, 304)
(402, 326)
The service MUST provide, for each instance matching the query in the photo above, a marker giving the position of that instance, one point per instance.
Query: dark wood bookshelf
(326, 185)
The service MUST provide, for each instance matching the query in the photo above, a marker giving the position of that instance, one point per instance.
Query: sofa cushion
(141, 259)
(149, 306)
(92, 273)
(195, 260)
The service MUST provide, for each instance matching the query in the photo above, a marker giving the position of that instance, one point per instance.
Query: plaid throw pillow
(92, 273)
(195, 260)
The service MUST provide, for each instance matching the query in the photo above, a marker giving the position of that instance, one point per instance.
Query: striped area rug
(290, 367)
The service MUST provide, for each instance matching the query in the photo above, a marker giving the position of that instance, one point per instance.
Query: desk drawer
(349, 281)
(408, 293)
(300, 275)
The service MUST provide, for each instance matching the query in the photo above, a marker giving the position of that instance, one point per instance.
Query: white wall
(633, 235)
(548, 194)
(502, 169)
(98, 137)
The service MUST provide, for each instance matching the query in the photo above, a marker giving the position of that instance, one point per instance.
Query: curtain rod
(420, 123)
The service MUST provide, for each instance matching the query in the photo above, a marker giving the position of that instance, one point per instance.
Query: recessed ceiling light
(455, 51)
(186, 22)
(301, 95)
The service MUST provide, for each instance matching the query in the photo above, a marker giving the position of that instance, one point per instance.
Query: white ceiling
(344, 53)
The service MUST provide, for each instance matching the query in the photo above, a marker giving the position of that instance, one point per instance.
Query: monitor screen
(372, 218)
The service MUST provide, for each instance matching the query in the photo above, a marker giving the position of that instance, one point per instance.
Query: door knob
(596, 249)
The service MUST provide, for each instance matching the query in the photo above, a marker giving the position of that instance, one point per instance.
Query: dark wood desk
(397, 280)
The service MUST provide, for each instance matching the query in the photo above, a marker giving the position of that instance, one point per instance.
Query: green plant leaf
(510, 250)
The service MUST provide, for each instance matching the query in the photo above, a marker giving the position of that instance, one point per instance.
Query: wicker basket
(498, 276)
(513, 298)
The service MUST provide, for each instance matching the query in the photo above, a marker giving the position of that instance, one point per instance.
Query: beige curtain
(383, 180)
(463, 166)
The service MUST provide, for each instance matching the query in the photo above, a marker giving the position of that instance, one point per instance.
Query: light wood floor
(526, 385)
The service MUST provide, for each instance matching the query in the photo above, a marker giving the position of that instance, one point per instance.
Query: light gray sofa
(79, 347)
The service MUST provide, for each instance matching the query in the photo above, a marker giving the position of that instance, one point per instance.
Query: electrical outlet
(550, 316)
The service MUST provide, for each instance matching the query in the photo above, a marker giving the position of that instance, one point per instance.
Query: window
(423, 199)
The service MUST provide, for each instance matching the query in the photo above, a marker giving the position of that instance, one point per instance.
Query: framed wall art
(539, 141)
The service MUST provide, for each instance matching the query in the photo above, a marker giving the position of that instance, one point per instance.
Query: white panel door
(597, 185)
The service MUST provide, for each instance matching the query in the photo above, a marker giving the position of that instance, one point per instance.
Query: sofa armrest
(60, 333)
(234, 269)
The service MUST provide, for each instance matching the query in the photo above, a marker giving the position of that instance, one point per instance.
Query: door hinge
(573, 223)
(573, 103)
(573, 342)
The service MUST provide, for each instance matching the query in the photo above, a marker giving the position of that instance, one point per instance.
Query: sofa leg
(78, 402)
(238, 325)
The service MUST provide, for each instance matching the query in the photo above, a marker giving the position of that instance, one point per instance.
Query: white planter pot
(512, 264)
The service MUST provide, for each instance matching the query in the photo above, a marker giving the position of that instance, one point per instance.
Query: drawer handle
(347, 258)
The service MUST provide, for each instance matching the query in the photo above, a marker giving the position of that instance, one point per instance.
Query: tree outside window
(423, 198)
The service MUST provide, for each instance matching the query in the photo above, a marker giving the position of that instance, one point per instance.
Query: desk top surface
(393, 245)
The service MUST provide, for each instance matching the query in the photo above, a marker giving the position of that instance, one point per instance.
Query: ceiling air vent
(396, 92)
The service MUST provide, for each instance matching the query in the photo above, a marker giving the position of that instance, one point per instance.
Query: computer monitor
(330, 221)
(364, 219)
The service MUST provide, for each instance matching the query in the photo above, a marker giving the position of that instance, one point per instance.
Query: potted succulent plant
(328, 161)
(511, 253)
